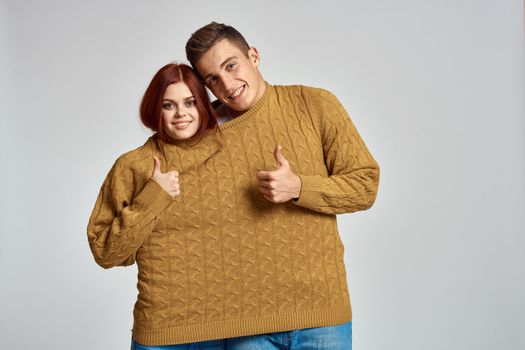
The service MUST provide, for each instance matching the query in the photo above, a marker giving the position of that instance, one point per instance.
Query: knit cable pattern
(219, 260)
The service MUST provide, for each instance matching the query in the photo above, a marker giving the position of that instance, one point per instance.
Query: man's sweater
(220, 260)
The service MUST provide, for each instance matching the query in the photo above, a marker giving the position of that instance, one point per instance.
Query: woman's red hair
(151, 105)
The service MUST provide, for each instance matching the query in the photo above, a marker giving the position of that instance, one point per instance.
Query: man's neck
(223, 114)
(226, 112)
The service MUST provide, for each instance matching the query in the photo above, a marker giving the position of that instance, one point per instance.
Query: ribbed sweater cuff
(153, 197)
(310, 188)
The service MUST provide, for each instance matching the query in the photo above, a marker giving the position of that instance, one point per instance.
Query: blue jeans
(208, 345)
(322, 338)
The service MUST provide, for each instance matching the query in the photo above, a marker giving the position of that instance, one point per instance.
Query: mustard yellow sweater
(219, 260)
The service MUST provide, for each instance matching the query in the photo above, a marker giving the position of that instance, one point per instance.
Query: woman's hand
(168, 181)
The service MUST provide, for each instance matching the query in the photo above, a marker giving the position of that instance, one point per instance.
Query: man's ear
(254, 56)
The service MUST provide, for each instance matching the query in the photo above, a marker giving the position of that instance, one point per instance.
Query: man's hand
(280, 185)
(168, 181)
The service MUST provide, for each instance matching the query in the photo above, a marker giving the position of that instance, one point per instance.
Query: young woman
(128, 221)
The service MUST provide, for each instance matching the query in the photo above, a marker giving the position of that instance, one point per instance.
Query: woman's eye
(190, 103)
(167, 106)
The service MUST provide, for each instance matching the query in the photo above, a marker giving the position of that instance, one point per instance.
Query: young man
(307, 159)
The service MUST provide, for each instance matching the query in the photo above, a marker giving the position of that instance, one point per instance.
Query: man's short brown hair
(204, 38)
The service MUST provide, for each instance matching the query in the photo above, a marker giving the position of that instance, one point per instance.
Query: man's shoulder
(304, 92)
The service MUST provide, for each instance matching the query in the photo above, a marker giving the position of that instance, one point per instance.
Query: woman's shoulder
(139, 159)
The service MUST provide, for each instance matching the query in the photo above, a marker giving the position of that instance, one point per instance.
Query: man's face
(231, 76)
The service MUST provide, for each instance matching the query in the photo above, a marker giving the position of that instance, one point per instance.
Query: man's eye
(212, 80)
(231, 66)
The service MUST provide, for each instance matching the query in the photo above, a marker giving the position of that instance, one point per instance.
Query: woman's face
(180, 118)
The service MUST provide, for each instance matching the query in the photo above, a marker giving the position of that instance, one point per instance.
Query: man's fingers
(264, 175)
(265, 190)
(266, 184)
(272, 198)
(268, 197)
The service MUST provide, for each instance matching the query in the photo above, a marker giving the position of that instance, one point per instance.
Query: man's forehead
(220, 52)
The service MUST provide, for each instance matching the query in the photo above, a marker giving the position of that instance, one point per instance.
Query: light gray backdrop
(436, 89)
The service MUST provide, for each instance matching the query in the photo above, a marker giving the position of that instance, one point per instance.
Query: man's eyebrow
(226, 60)
(221, 65)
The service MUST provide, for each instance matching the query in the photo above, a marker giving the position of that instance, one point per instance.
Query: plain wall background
(436, 89)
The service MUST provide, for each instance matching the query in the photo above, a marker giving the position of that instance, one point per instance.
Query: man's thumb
(279, 157)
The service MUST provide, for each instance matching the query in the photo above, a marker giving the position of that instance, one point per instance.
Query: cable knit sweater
(219, 260)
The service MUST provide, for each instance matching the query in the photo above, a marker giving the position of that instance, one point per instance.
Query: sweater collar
(197, 150)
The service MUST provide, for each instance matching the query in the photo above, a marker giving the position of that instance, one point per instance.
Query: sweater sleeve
(353, 174)
(121, 222)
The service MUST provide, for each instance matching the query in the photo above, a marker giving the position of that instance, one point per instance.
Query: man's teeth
(237, 92)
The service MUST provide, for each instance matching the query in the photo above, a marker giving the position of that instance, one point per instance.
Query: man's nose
(226, 82)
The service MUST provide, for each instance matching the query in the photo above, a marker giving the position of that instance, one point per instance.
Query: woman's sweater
(220, 260)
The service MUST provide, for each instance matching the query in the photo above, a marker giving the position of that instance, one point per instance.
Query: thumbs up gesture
(280, 185)
(168, 181)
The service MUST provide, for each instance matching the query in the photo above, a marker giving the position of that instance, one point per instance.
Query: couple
(233, 227)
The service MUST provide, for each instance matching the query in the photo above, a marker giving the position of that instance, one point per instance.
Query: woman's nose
(179, 112)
